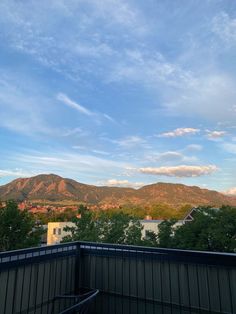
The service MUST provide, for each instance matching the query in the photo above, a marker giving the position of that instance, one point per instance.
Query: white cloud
(214, 135)
(209, 95)
(148, 68)
(180, 171)
(100, 50)
(171, 156)
(16, 173)
(182, 90)
(100, 152)
(79, 147)
(122, 183)
(225, 27)
(120, 12)
(31, 31)
(74, 131)
(109, 118)
(180, 132)
(66, 100)
(231, 192)
(75, 165)
(193, 147)
(229, 147)
(72, 104)
(130, 142)
(19, 106)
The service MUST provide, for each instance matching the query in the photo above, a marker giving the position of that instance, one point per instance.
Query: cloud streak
(122, 183)
(170, 157)
(180, 171)
(16, 173)
(81, 109)
(130, 142)
(225, 27)
(180, 132)
(72, 104)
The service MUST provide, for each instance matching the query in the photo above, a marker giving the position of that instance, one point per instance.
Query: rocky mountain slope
(55, 188)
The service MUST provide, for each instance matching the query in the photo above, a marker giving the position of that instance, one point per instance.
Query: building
(56, 232)
(152, 225)
(149, 225)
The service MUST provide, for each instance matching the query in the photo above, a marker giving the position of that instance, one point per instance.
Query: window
(54, 230)
(59, 231)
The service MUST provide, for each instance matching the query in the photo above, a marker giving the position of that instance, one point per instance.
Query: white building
(56, 231)
(152, 225)
(149, 225)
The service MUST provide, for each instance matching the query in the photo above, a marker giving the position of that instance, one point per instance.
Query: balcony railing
(130, 279)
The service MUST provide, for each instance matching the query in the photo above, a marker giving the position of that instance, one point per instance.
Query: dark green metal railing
(130, 279)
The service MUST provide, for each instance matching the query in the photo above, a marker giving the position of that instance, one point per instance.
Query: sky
(119, 92)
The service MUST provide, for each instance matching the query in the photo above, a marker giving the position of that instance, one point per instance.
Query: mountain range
(51, 187)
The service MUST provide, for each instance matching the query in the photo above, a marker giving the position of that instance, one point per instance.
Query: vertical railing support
(77, 279)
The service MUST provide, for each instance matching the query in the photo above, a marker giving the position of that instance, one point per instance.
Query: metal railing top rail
(152, 249)
(38, 249)
(72, 248)
(20, 257)
(189, 256)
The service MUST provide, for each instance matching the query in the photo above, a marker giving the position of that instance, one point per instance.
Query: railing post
(77, 282)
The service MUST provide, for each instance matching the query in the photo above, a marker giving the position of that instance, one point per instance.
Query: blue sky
(119, 92)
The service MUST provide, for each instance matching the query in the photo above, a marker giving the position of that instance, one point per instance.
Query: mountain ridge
(52, 187)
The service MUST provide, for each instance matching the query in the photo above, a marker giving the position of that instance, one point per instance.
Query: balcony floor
(107, 303)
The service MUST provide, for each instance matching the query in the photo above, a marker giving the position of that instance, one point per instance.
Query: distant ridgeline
(160, 200)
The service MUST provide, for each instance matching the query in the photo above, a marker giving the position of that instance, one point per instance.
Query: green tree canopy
(85, 229)
(115, 227)
(17, 228)
(211, 230)
(166, 233)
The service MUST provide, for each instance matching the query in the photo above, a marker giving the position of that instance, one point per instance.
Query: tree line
(211, 229)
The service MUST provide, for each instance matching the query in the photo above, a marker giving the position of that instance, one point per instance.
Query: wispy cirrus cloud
(204, 96)
(84, 166)
(81, 109)
(193, 148)
(19, 108)
(124, 58)
(180, 132)
(131, 141)
(34, 34)
(72, 104)
(171, 157)
(149, 69)
(179, 171)
(75, 131)
(16, 173)
(225, 27)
